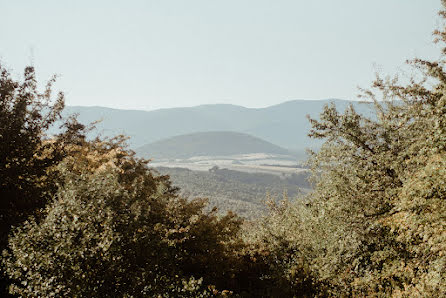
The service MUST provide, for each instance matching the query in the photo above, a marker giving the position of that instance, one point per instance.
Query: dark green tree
(27, 154)
(26, 151)
(115, 228)
(25, 115)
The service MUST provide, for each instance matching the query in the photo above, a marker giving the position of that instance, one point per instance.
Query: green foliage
(27, 156)
(115, 229)
(25, 115)
(287, 247)
(375, 223)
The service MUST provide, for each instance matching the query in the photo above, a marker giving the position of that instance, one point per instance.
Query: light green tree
(375, 222)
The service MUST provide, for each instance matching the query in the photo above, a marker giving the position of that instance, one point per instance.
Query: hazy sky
(150, 54)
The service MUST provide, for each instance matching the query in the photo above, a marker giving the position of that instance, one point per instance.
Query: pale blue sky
(148, 54)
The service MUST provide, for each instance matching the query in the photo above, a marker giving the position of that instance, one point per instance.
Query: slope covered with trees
(217, 143)
(240, 192)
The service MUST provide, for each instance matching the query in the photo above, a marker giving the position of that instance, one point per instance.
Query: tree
(115, 228)
(27, 155)
(26, 152)
(23, 121)
(374, 225)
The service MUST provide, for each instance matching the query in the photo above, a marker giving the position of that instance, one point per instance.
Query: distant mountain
(218, 143)
(284, 124)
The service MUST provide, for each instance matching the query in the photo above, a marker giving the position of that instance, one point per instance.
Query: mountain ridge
(284, 124)
(218, 104)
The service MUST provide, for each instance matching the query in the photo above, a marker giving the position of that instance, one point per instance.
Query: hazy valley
(216, 158)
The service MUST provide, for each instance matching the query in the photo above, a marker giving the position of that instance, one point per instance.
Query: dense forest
(244, 193)
(84, 217)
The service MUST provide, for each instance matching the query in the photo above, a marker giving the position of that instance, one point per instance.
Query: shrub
(116, 229)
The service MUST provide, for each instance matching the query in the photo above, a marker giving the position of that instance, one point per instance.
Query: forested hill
(241, 192)
(209, 144)
(284, 124)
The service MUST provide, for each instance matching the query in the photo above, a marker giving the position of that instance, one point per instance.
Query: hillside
(218, 143)
(241, 192)
(284, 124)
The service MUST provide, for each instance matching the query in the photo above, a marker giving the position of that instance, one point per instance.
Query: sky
(150, 54)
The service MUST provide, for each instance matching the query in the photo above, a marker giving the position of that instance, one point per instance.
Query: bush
(115, 229)
(374, 224)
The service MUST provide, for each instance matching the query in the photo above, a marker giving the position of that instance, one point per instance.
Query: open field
(250, 163)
